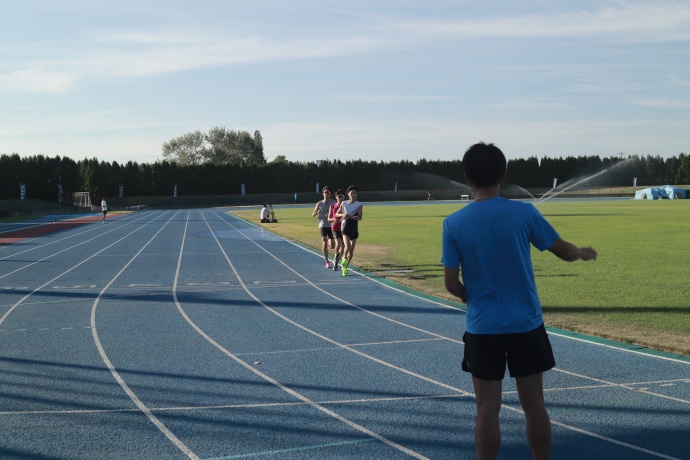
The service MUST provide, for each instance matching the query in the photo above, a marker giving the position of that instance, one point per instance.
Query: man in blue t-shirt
(490, 240)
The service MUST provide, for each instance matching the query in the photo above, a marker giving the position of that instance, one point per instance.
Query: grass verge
(637, 292)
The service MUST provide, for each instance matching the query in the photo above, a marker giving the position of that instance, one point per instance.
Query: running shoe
(328, 264)
(344, 271)
(345, 262)
(335, 262)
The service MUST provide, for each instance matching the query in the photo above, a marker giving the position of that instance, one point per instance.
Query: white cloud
(662, 103)
(651, 21)
(61, 66)
(144, 54)
(528, 104)
(35, 80)
(164, 51)
(678, 81)
(391, 98)
(441, 139)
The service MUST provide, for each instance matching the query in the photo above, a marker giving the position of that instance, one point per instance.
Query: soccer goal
(81, 199)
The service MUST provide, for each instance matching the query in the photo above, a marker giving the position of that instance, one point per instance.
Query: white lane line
(563, 425)
(275, 452)
(627, 386)
(9, 256)
(339, 299)
(586, 377)
(42, 329)
(614, 441)
(13, 307)
(309, 350)
(56, 253)
(104, 356)
(627, 350)
(266, 377)
(234, 406)
(39, 246)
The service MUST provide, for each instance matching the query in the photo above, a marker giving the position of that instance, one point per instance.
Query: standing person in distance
(336, 227)
(489, 240)
(104, 208)
(321, 209)
(351, 213)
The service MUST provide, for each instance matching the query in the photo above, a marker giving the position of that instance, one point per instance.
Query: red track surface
(16, 236)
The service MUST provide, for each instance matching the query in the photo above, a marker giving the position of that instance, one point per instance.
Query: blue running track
(193, 334)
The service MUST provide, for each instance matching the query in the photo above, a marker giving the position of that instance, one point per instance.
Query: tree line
(45, 176)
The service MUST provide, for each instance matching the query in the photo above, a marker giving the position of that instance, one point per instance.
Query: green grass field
(638, 291)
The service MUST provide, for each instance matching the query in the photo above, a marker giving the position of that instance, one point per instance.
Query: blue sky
(372, 80)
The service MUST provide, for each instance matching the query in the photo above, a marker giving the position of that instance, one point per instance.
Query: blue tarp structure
(667, 192)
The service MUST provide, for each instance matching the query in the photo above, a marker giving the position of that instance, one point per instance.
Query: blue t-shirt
(490, 242)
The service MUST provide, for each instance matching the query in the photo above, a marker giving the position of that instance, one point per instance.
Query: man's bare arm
(453, 284)
(570, 253)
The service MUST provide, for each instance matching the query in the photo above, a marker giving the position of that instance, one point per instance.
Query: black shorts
(105, 212)
(326, 231)
(525, 353)
(338, 234)
(349, 229)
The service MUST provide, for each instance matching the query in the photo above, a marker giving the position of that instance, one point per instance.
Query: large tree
(219, 147)
(186, 150)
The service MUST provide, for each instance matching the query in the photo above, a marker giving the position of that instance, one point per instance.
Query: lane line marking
(573, 428)
(118, 378)
(59, 252)
(266, 377)
(293, 449)
(11, 309)
(234, 406)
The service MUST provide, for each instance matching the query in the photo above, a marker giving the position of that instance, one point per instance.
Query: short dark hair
(339, 192)
(352, 187)
(484, 164)
(327, 187)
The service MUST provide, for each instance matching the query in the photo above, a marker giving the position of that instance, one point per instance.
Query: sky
(376, 80)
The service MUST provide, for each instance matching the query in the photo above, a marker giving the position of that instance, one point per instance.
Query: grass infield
(637, 292)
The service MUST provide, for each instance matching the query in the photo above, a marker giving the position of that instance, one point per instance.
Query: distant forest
(45, 177)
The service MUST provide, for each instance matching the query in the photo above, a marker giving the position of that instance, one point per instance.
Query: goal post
(81, 199)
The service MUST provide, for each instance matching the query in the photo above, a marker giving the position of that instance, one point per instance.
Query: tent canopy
(665, 192)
